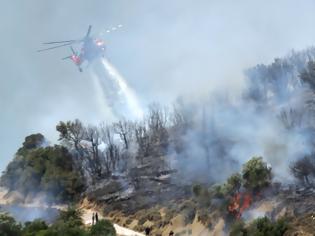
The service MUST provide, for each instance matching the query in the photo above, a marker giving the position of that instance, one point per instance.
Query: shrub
(188, 209)
(8, 226)
(103, 227)
(233, 184)
(71, 216)
(303, 169)
(69, 223)
(49, 169)
(256, 174)
(151, 215)
(197, 189)
(205, 218)
(34, 227)
(260, 227)
(238, 229)
(264, 226)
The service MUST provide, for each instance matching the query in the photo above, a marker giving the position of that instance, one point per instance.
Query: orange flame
(239, 203)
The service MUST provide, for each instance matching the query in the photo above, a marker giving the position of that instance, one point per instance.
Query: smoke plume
(272, 119)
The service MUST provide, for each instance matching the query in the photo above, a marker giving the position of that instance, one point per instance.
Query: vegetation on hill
(260, 227)
(69, 223)
(134, 165)
(49, 169)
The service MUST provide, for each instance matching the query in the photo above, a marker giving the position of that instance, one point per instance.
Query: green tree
(265, 227)
(303, 169)
(260, 227)
(238, 229)
(233, 183)
(64, 230)
(8, 226)
(197, 189)
(103, 227)
(48, 169)
(34, 227)
(60, 178)
(34, 141)
(308, 75)
(71, 132)
(202, 195)
(69, 223)
(256, 174)
(72, 216)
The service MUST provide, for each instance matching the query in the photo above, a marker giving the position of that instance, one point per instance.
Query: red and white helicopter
(91, 49)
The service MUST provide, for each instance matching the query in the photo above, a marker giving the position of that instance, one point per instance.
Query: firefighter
(147, 231)
(96, 217)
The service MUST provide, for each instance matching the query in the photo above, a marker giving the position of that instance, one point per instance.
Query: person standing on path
(96, 217)
(147, 231)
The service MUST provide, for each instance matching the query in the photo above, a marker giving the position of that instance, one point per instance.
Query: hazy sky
(165, 49)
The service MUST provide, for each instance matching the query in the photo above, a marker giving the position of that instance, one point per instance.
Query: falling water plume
(124, 90)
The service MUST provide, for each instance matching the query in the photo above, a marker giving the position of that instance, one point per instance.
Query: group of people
(94, 218)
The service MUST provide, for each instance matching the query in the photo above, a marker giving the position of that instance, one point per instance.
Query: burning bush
(256, 175)
(238, 192)
(239, 203)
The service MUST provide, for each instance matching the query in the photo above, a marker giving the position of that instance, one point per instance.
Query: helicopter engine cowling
(76, 59)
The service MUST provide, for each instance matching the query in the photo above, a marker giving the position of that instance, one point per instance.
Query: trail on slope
(121, 231)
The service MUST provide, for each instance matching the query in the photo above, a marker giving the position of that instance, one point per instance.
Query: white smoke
(228, 131)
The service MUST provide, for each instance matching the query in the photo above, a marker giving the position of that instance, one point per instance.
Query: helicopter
(91, 49)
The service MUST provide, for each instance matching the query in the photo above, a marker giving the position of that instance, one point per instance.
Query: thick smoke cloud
(166, 49)
(225, 135)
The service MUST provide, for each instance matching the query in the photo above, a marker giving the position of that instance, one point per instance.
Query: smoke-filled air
(160, 118)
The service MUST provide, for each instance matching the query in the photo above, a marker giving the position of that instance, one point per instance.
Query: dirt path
(121, 231)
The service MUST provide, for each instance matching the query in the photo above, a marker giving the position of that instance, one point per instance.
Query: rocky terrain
(296, 204)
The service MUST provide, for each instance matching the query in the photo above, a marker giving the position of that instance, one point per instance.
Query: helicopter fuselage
(91, 49)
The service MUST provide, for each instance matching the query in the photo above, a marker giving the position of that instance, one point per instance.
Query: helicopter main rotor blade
(65, 58)
(73, 51)
(66, 41)
(89, 31)
(59, 46)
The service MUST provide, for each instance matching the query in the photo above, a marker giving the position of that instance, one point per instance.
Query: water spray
(124, 90)
(100, 95)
